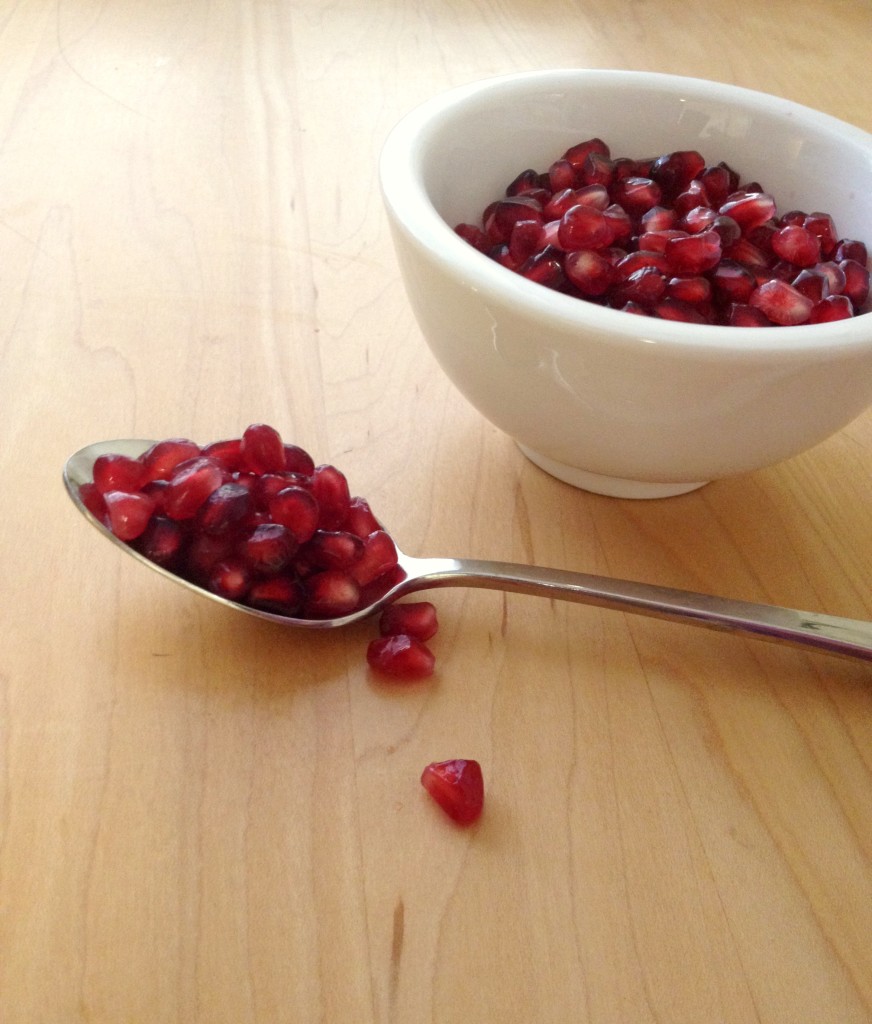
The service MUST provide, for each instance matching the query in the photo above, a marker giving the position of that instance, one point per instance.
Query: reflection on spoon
(826, 633)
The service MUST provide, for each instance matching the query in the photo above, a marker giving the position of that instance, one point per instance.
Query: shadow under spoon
(825, 633)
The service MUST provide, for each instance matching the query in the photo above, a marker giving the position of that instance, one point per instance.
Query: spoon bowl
(826, 633)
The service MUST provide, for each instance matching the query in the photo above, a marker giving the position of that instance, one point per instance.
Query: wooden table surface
(205, 818)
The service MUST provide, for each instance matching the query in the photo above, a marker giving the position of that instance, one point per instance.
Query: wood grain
(209, 819)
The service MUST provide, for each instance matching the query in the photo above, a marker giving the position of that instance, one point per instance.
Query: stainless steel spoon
(827, 633)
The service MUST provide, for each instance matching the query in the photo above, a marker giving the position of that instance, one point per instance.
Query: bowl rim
(413, 213)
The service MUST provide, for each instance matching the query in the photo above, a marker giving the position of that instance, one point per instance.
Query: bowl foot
(611, 486)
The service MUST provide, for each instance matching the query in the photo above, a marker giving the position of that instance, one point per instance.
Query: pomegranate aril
(835, 275)
(332, 549)
(797, 245)
(93, 501)
(856, 282)
(162, 457)
(204, 551)
(129, 513)
(655, 241)
(224, 509)
(524, 182)
(118, 473)
(590, 272)
(474, 236)
(414, 618)
(457, 786)
(544, 268)
(673, 309)
(782, 303)
(693, 197)
(230, 579)
(821, 225)
(597, 169)
(583, 227)
(578, 154)
(525, 239)
(505, 215)
(281, 595)
(620, 223)
(562, 174)
(637, 260)
(636, 195)
(267, 550)
(718, 183)
(732, 282)
(850, 249)
(694, 254)
(331, 594)
(699, 219)
(228, 452)
(833, 307)
(644, 286)
(812, 283)
(190, 486)
(360, 519)
(658, 218)
(262, 449)
(297, 510)
(400, 656)
(673, 172)
(379, 557)
(298, 460)
(727, 228)
(750, 209)
(695, 290)
(330, 490)
(742, 315)
(161, 542)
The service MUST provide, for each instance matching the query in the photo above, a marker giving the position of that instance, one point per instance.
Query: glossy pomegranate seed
(821, 225)
(620, 223)
(332, 549)
(797, 245)
(695, 290)
(833, 307)
(727, 228)
(699, 219)
(583, 227)
(474, 236)
(591, 273)
(190, 486)
(655, 241)
(637, 260)
(331, 594)
(360, 519)
(228, 453)
(224, 509)
(457, 786)
(401, 657)
(506, 212)
(693, 197)
(718, 183)
(644, 286)
(298, 461)
(637, 195)
(578, 154)
(162, 458)
(413, 618)
(782, 303)
(742, 315)
(544, 268)
(524, 240)
(850, 249)
(297, 510)
(230, 579)
(562, 174)
(119, 473)
(835, 275)
(93, 501)
(330, 490)
(262, 449)
(674, 309)
(560, 202)
(161, 542)
(694, 254)
(812, 283)
(597, 169)
(526, 181)
(268, 549)
(129, 513)
(379, 557)
(673, 172)
(732, 282)
(750, 209)
(281, 595)
(856, 282)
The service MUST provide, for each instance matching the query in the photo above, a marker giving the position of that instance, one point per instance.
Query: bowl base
(610, 486)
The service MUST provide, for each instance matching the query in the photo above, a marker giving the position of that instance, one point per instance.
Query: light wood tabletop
(205, 818)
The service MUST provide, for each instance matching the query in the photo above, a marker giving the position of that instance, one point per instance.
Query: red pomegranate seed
(636, 309)
(578, 154)
(694, 254)
(162, 458)
(673, 172)
(506, 212)
(850, 249)
(655, 241)
(544, 268)
(658, 218)
(457, 786)
(526, 181)
(559, 203)
(836, 279)
(562, 174)
(728, 229)
(813, 283)
(750, 209)
(797, 245)
(93, 501)
(821, 225)
(591, 273)
(474, 236)
(583, 227)
(833, 307)
(525, 239)
(413, 618)
(401, 657)
(330, 490)
(190, 486)
(228, 453)
(204, 551)
(161, 542)
(695, 290)
(360, 519)
(129, 513)
(620, 223)
(230, 579)
(643, 286)
(746, 253)
(118, 473)
(856, 282)
(732, 282)
(782, 303)
(636, 195)
(262, 449)
(298, 461)
(224, 509)
(331, 594)
(718, 183)
(637, 260)
(332, 549)
(268, 549)
(691, 198)
(699, 219)
(674, 309)
(379, 557)
(281, 595)
(742, 315)
(597, 169)
(297, 510)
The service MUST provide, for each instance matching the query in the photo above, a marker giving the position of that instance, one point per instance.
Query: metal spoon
(827, 633)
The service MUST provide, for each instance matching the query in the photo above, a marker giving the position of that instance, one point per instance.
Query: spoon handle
(828, 633)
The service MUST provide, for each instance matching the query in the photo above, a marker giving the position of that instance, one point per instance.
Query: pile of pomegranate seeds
(458, 787)
(673, 238)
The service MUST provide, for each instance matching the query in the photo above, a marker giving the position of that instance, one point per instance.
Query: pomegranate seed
(699, 219)
(401, 657)
(833, 307)
(93, 501)
(544, 268)
(161, 542)
(506, 212)
(262, 449)
(746, 253)
(224, 509)
(298, 461)
(655, 241)
(332, 550)
(813, 283)
(636, 309)
(330, 490)
(637, 195)
(797, 245)
(856, 282)
(190, 486)
(228, 453)
(590, 272)
(281, 595)
(691, 198)
(583, 227)
(694, 254)
(835, 275)
(297, 510)
(361, 520)
(637, 260)
(732, 282)
(524, 240)
(695, 290)
(562, 174)
(129, 513)
(268, 549)
(560, 202)
(727, 228)
(413, 618)
(331, 594)
(673, 172)
(474, 236)
(850, 249)
(230, 579)
(674, 309)
(379, 557)
(782, 303)
(643, 286)
(743, 315)
(597, 169)
(718, 184)
(162, 458)
(750, 209)
(457, 786)
(119, 473)
(821, 225)
(658, 218)
(620, 223)
(578, 154)
(526, 181)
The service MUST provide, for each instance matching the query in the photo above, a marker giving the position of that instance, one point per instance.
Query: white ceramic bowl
(615, 403)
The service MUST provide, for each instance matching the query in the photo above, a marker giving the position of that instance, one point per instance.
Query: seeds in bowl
(674, 238)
